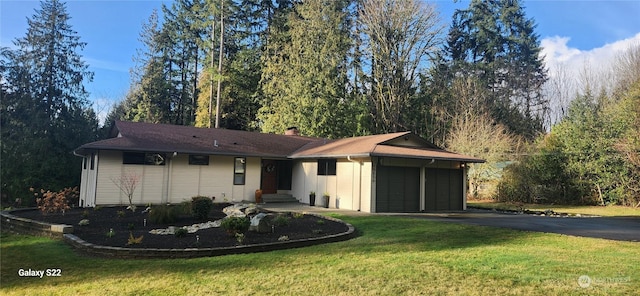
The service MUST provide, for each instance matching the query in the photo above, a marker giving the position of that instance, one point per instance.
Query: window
(238, 170)
(199, 159)
(143, 158)
(326, 167)
(93, 161)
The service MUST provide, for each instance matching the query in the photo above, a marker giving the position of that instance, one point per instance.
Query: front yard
(392, 256)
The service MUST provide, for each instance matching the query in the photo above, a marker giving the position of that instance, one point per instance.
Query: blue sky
(570, 31)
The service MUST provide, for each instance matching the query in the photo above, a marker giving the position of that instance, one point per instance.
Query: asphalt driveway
(614, 228)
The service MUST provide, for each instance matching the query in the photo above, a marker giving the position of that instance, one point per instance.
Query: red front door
(269, 176)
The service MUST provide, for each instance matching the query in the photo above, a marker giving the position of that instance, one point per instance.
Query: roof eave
(84, 151)
(461, 159)
(315, 156)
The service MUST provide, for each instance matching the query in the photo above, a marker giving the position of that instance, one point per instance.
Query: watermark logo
(584, 281)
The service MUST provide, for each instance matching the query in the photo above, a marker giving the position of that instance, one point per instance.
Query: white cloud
(560, 57)
(571, 70)
(555, 49)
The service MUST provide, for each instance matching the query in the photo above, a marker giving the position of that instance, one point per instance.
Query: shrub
(180, 232)
(163, 214)
(240, 238)
(235, 225)
(51, 202)
(184, 208)
(281, 220)
(201, 206)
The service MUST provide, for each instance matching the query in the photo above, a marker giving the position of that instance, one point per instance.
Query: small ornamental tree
(127, 183)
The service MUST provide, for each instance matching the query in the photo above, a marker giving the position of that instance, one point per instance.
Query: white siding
(353, 193)
(152, 185)
(176, 181)
(213, 180)
(347, 174)
(110, 168)
(185, 179)
(304, 180)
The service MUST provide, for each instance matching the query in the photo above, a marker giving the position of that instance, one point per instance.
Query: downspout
(359, 180)
(465, 173)
(82, 200)
(167, 195)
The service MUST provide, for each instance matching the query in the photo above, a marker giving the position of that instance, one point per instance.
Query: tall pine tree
(493, 42)
(305, 76)
(45, 111)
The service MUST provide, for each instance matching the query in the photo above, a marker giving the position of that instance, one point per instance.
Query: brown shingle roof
(382, 145)
(137, 136)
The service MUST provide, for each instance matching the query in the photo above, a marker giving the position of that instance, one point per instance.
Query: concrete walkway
(614, 228)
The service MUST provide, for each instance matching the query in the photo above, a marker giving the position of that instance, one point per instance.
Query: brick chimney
(292, 131)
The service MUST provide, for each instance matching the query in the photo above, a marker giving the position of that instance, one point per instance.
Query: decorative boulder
(261, 223)
(236, 210)
(251, 210)
(241, 210)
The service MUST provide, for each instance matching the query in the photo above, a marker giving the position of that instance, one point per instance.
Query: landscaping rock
(252, 210)
(261, 223)
(241, 210)
(190, 229)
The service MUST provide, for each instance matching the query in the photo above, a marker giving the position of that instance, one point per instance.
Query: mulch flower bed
(114, 226)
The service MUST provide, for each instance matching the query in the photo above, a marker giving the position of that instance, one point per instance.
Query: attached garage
(443, 189)
(397, 189)
(416, 187)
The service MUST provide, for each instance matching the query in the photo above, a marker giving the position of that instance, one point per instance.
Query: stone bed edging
(21, 225)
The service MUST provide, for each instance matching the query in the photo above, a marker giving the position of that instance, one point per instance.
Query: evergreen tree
(494, 42)
(165, 86)
(45, 111)
(244, 38)
(305, 76)
(148, 99)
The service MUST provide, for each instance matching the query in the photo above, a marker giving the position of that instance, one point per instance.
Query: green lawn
(591, 210)
(392, 256)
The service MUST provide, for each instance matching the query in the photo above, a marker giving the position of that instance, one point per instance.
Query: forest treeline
(372, 66)
(474, 84)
